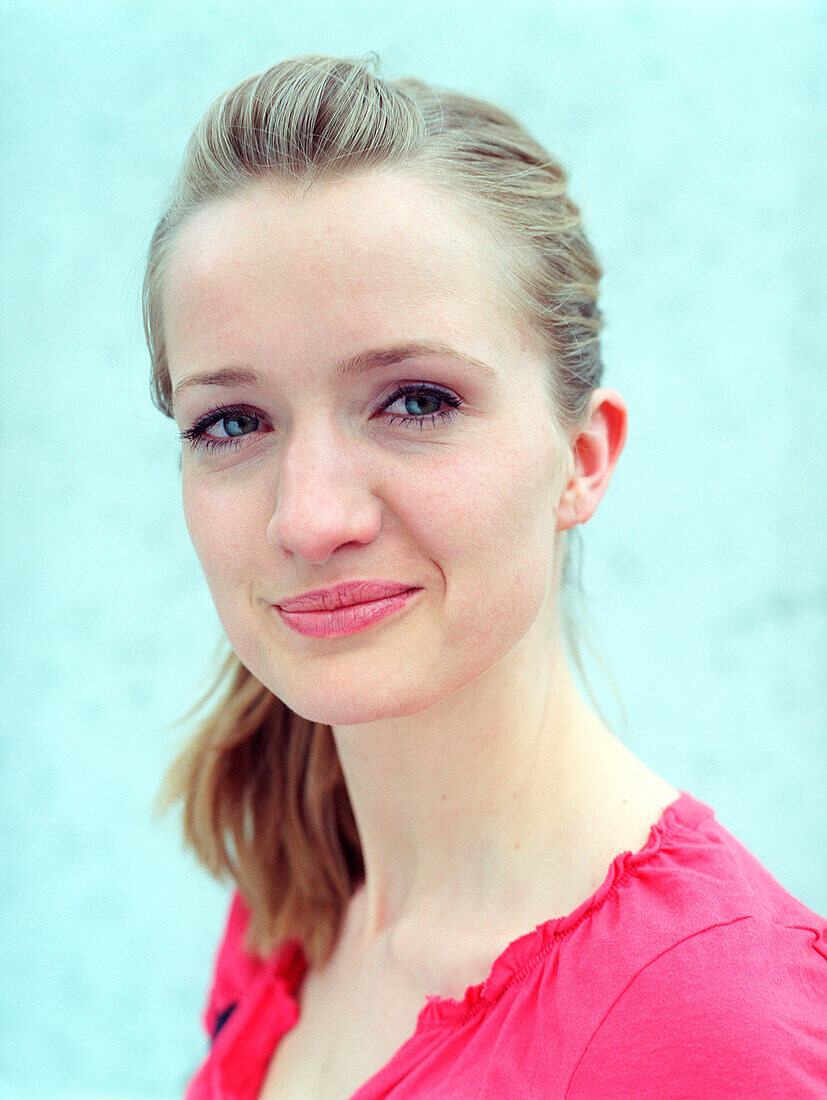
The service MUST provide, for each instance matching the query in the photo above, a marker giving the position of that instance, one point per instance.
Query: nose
(323, 497)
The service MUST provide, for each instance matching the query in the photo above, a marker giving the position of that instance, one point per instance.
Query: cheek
(490, 526)
(221, 525)
(218, 527)
(199, 521)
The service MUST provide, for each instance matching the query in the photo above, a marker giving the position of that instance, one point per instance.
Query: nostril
(313, 528)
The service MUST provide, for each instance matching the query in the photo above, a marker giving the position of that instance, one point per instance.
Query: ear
(596, 449)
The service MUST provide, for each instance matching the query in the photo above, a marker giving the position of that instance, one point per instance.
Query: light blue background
(690, 132)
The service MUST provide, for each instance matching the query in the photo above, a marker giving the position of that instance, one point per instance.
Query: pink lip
(349, 616)
(343, 595)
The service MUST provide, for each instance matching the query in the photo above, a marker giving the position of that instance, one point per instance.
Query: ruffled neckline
(522, 954)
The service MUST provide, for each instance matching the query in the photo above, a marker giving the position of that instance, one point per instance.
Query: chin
(348, 698)
(354, 708)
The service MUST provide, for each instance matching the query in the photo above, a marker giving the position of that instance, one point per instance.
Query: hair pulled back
(263, 793)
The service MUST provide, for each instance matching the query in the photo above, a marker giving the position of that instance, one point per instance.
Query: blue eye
(240, 421)
(245, 420)
(432, 396)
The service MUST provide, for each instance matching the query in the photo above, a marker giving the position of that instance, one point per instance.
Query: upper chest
(345, 1034)
(360, 1008)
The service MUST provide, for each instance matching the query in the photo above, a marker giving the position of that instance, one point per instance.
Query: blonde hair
(264, 798)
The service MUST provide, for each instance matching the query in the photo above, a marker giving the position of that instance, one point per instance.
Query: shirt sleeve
(234, 969)
(738, 1010)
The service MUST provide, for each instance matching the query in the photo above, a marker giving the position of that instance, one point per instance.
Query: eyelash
(197, 437)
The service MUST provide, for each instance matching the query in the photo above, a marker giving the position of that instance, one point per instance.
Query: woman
(372, 311)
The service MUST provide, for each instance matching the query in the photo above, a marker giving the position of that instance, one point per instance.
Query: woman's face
(308, 474)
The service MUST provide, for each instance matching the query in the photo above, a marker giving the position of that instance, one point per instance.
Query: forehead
(381, 251)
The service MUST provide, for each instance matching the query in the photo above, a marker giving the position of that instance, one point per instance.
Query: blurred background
(690, 134)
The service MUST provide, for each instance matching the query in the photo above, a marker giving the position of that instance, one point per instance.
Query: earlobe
(574, 506)
(596, 450)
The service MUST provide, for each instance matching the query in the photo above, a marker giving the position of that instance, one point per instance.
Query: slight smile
(346, 619)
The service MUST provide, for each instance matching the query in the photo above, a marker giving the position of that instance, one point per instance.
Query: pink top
(690, 973)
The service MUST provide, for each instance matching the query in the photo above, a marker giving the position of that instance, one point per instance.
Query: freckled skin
(464, 509)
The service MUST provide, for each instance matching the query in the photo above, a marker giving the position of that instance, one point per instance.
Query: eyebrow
(363, 362)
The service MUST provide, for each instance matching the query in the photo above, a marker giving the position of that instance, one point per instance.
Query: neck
(460, 806)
